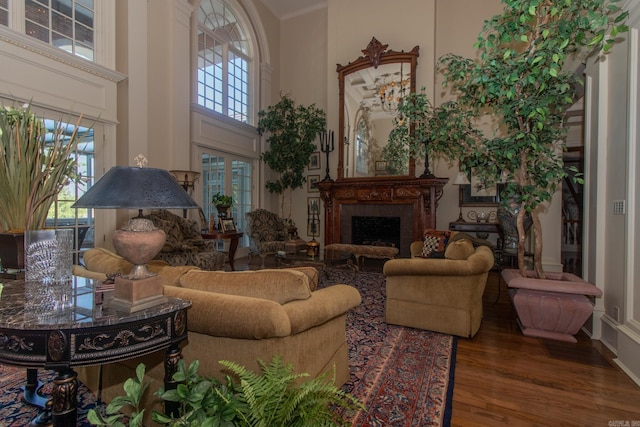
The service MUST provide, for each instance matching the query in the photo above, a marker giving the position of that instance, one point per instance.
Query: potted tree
(522, 81)
(291, 131)
(35, 165)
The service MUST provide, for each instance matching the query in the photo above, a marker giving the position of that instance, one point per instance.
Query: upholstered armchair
(185, 245)
(267, 233)
(439, 294)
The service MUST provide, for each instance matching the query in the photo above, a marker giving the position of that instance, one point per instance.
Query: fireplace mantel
(419, 195)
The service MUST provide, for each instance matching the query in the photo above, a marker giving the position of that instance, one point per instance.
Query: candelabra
(313, 220)
(427, 172)
(327, 146)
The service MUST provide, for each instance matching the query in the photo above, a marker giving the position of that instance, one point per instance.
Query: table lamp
(460, 179)
(128, 187)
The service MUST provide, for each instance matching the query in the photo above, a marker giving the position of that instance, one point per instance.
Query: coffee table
(326, 258)
(37, 332)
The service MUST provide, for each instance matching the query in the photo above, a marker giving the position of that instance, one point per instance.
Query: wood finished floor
(503, 378)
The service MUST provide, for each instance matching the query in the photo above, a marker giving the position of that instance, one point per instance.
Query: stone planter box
(555, 307)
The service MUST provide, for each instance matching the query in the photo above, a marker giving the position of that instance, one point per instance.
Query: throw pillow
(434, 242)
(459, 249)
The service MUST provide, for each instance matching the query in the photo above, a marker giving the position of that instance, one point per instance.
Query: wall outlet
(616, 314)
(619, 207)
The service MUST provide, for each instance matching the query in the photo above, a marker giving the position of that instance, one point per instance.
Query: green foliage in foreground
(276, 397)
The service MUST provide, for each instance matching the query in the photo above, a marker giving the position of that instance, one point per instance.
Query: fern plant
(276, 397)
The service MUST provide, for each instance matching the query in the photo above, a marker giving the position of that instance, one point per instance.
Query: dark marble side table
(37, 331)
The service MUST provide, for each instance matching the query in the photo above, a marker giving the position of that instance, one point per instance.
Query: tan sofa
(442, 295)
(241, 316)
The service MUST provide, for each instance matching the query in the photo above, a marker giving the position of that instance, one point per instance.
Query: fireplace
(378, 224)
(412, 200)
(375, 230)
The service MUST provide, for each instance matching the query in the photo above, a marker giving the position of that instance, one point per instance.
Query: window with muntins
(61, 214)
(4, 12)
(216, 168)
(66, 24)
(223, 61)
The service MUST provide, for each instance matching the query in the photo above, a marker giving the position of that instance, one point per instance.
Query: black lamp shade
(128, 187)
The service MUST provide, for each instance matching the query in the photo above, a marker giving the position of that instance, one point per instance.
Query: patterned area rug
(404, 376)
(14, 413)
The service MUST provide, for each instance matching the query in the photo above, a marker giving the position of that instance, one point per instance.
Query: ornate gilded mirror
(369, 90)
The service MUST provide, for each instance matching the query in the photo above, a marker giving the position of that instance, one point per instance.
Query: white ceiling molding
(287, 9)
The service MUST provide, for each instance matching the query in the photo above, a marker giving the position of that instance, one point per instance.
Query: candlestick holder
(313, 221)
(326, 146)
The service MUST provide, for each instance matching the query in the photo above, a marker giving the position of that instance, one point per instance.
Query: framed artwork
(314, 160)
(312, 181)
(228, 225)
(474, 195)
(313, 216)
(381, 165)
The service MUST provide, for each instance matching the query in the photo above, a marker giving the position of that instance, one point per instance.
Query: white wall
(611, 254)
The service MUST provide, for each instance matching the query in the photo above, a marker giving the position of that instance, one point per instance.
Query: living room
(139, 94)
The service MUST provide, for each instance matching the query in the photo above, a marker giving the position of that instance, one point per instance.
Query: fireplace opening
(375, 230)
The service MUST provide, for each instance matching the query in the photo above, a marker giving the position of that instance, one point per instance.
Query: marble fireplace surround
(414, 200)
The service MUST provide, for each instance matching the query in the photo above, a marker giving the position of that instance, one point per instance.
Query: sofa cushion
(434, 242)
(280, 286)
(459, 249)
(100, 262)
(104, 261)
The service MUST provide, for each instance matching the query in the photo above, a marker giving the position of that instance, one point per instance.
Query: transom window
(66, 24)
(223, 61)
(4, 12)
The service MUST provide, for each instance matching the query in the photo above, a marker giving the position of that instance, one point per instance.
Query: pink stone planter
(555, 307)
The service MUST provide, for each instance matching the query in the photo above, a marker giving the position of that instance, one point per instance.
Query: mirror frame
(375, 54)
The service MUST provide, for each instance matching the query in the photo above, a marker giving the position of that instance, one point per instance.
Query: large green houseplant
(521, 81)
(275, 397)
(291, 130)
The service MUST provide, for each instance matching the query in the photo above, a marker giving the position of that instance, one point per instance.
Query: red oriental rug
(403, 376)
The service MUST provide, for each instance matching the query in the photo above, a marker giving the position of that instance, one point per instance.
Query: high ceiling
(285, 9)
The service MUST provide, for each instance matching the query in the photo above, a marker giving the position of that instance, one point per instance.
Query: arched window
(223, 61)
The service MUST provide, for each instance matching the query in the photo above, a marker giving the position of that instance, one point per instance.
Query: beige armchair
(442, 295)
